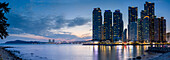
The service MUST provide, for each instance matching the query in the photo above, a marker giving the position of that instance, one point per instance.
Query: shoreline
(151, 55)
(124, 44)
(7, 55)
(163, 56)
(158, 56)
(162, 53)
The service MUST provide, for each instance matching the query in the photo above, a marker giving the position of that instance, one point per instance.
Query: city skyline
(148, 28)
(84, 30)
(69, 30)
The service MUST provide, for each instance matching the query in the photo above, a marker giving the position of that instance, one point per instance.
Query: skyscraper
(151, 29)
(145, 29)
(143, 14)
(150, 11)
(133, 31)
(132, 14)
(97, 23)
(125, 36)
(53, 40)
(132, 28)
(102, 32)
(156, 29)
(142, 23)
(162, 28)
(49, 40)
(149, 8)
(168, 36)
(117, 25)
(139, 30)
(107, 25)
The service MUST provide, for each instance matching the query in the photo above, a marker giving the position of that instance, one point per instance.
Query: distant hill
(24, 42)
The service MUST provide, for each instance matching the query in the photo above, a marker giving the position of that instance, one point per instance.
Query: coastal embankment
(164, 53)
(7, 55)
(163, 56)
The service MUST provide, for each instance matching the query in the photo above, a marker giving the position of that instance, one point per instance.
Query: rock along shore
(7, 55)
(163, 53)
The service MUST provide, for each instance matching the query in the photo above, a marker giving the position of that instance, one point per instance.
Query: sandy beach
(7, 55)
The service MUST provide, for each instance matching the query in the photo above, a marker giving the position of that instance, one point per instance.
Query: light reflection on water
(78, 52)
(118, 52)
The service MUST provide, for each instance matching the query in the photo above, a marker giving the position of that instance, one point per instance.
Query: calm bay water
(76, 52)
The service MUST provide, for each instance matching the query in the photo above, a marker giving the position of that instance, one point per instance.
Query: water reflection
(118, 52)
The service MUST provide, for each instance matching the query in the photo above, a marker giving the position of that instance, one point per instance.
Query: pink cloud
(25, 35)
(29, 36)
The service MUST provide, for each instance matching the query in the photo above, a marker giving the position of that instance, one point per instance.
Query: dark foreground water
(76, 52)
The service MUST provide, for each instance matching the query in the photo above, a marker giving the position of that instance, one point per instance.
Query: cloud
(29, 36)
(78, 22)
(26, 35)
(43, 24)
(59, 32)
(85, 35)
(57, 1)
(41, 27)
(78, 31)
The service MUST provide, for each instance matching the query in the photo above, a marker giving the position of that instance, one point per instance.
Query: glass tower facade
(168, 37)
(97, 23)
(150, 11)
(156, 29)
(145, 29)
(132, 14)
(132, 17)
(125, 36)
(151, 30)
(133, 31)
(149, 8)
(117, 25)
(107, 25)
(162, 30)
(139, 30)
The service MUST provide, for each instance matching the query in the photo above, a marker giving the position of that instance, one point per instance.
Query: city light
(148, 29)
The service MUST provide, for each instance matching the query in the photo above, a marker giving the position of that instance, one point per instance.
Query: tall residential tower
(132, 26)
(107, 25)
(117, 25)
(97, 23)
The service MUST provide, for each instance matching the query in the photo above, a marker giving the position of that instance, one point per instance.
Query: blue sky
(67, 20)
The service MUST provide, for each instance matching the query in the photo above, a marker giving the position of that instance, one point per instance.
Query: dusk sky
(67, 20)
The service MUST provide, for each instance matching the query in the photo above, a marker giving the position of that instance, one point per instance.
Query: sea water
(76, 51)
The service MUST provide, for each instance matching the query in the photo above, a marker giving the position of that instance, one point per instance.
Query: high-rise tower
(108, 25)
(125, 35)
(162, 29)
(150, 11)
(139, 30)
(97, 23)
(132, 26)
(149, 8)
(132, 14)
(145, 29)
(117, 25)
